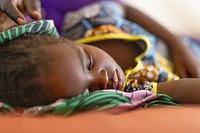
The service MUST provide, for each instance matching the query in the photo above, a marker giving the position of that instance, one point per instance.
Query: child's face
(78, 67)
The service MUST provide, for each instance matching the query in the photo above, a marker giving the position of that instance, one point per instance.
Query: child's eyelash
(90, 64)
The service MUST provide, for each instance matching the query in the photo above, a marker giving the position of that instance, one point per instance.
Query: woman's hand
(11, 12)
(187, 65)
(31, 7)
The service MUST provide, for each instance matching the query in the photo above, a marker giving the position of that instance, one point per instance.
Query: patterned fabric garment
(86, 19)
(78, 24)
(111, 100)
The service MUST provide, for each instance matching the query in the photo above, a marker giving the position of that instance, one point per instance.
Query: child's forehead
(67, 43)
(62, 48)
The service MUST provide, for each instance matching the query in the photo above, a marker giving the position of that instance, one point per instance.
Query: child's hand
(186, 64)
(11, 12)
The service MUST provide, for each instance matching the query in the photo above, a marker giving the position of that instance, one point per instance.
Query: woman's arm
(183, 90)
(149, 24)
(189, 66)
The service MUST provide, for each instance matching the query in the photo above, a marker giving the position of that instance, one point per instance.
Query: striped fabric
(38, 27)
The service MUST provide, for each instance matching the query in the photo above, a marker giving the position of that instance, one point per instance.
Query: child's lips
(115, 82)
(114, 85)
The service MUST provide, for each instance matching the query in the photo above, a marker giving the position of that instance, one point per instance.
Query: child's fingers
(33, 8)
(10, 9)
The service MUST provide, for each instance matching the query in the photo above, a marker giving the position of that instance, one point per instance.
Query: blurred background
(181, 16)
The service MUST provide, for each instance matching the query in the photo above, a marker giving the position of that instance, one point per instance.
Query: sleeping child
(38, 68)
(44, 68)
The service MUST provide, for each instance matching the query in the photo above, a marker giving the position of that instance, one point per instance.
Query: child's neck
(123, 52)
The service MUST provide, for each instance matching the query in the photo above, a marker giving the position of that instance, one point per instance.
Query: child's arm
(183, 90)
(188, 66)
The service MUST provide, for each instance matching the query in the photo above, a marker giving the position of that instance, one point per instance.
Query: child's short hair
(22, 61)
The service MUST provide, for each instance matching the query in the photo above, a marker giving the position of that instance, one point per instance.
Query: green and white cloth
(38, 27)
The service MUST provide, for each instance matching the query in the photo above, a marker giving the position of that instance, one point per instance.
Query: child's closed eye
(90, 62)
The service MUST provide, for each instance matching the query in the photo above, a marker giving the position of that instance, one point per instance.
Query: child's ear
(6, 22)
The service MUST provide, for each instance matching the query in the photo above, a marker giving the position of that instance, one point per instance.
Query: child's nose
(100, 80)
